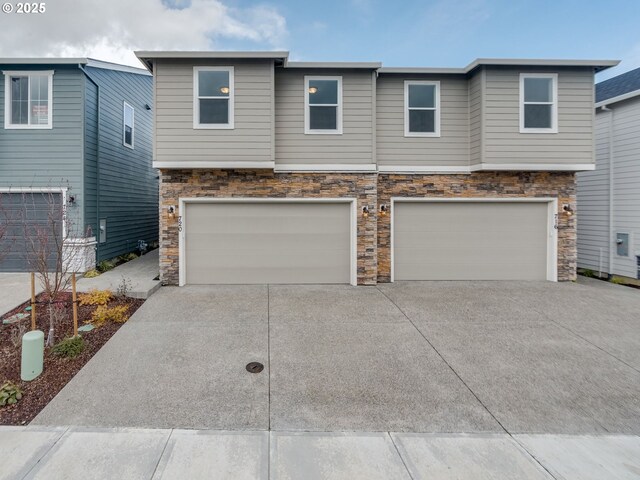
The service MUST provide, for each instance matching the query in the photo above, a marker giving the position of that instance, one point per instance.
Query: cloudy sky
(400, 32)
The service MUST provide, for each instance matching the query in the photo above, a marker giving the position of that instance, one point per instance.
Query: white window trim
(554, 104)
(7, 96)
(124, 125)
(307, 115)
(435, 133)
(196, 103)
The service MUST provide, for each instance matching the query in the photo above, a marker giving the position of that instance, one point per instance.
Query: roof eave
(619, 98)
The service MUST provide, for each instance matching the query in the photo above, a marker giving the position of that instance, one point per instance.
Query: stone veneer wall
(374, 235)
(175, 184)
(483, 184)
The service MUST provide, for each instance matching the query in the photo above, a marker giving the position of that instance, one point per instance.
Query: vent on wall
(622, 244)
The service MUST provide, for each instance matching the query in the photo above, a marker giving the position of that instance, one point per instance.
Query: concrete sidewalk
(141, 272)
(84, 453)
(15, 289)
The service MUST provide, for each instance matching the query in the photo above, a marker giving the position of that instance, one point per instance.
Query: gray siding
(593, 192)
(593, 204)
(503, 142)
(476, 84)
(48, 158)
(450, 149)
(354, 146)
(251, 137)
(127, 195)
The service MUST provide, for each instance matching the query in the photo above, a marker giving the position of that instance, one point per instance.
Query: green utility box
(32, 355)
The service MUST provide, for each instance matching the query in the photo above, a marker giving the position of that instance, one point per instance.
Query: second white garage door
(267, 242)
(471, 240)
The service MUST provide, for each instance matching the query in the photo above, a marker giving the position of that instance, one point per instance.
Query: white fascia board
(513, 167)
(43, 61)
(336, 65)
(325, 168)
(617, 99)
(214, 165)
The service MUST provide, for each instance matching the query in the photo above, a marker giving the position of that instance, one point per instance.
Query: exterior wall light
(171, 210)
(365, 211)
(383, 210)
(567, 209)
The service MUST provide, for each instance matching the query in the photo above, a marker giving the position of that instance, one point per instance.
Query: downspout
(611, 159)
(99, 130)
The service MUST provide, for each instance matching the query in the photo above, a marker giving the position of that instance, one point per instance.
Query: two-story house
(299, 172)
(75, 142)
(609, 196)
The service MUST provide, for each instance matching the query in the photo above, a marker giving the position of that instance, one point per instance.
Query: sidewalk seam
(45, 453)
(400, 455)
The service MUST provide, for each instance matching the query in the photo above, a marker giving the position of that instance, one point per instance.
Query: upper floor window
(538, 103)
(323, 105)
(128, 125)
(28, 99)
(213, 97)
(421, 109)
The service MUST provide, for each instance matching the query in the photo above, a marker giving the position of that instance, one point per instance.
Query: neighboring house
(292, 172)
(609, 196)
(75, 140)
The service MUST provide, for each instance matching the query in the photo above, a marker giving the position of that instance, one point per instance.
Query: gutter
(98, 113)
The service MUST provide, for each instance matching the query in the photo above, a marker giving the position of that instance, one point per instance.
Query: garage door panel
(267, 242)
(470, 241)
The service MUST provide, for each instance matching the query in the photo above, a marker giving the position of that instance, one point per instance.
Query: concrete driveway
(525, 357)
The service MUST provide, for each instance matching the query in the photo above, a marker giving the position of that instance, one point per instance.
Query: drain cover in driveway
(255, 367)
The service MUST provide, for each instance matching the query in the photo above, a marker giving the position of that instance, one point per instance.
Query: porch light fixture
(224, 90)
(383, 210)
(567, 209)
(365, 211)
(171, 210)
(313, 90)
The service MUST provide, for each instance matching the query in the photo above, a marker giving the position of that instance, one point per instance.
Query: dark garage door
(28, 222)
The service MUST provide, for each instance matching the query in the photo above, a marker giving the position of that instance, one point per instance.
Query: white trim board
(552, 231)
(214, 165)
(487, 167)
(369, 167)
(182, 222)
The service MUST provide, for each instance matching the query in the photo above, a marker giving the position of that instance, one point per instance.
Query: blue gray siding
(127, 186)
(48, 158)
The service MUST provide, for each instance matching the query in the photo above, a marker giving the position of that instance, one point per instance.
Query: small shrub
(617, 280)
(91, 273)
(588, 273)
(124, 287)
(105, 266)
(127, 257)
(10, 394)
(70, 347)
(104, 314)
(95, 297)
(17, 333)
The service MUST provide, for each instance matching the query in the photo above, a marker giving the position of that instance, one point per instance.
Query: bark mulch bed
(58, 371)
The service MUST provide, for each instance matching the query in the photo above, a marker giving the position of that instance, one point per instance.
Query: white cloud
(111, 29)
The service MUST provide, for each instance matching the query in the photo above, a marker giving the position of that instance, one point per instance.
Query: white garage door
(470, 240)
(267, 242)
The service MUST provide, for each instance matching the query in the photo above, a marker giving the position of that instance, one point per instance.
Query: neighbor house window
(213, 97)
(421, 109)
(323, 105)
(28, 99)
(128, 130)
(538, 103)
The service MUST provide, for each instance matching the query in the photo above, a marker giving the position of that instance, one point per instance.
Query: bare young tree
(50, 235)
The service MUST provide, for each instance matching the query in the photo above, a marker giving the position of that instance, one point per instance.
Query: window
(422, 109)
(28, 99)
(213, 97)
(323, 105)
(538, 103)
(128, 127)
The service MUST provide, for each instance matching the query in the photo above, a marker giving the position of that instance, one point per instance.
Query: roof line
(366, 65)
(619, 98)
